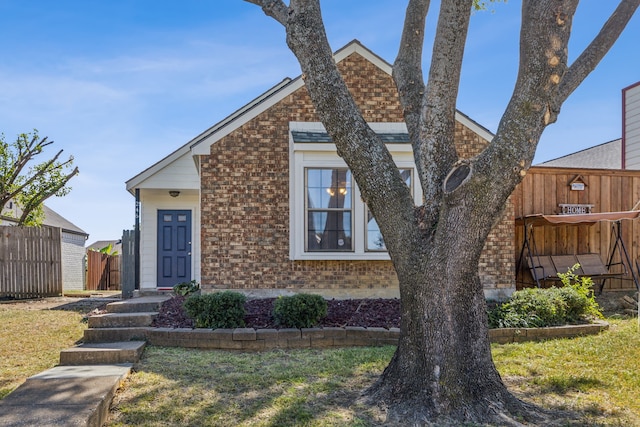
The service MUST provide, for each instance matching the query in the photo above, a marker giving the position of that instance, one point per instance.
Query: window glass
(167, 218)
(375, 242)
(182, 218)
(328, 205)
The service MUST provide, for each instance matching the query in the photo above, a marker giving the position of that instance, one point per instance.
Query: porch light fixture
(174, 193)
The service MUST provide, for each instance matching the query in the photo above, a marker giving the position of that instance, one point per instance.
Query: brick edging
(250, 339)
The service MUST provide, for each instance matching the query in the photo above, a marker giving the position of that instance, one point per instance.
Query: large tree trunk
(442, 371)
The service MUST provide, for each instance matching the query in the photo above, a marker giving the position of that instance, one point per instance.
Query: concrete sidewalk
(79, 391)
(64, 396)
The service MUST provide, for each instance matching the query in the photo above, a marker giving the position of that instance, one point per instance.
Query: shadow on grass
(277, 388)
(567, 384)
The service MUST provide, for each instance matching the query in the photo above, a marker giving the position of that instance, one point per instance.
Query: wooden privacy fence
(547, 190)
(103, 271)
(30, 262)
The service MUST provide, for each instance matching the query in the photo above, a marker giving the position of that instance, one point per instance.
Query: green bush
(216, 310)
(579, 295)
(533, 307)
(299, 311)
(186, 288)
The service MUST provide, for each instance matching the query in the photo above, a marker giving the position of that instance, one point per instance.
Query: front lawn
(31, 340)
(595, 377)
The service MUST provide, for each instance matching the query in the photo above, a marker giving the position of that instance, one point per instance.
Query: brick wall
(245, 203)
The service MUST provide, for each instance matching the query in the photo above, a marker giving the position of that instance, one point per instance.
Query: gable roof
(200, 145)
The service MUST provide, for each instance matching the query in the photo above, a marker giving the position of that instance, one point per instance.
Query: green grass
(598, 375)
(31, 340)
(595, 377)
(176, 386)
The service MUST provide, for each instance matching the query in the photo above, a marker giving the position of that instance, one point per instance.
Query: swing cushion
(564, 263)
(547, 267)
(543, 266)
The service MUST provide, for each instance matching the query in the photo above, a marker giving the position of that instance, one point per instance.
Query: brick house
(262, 203)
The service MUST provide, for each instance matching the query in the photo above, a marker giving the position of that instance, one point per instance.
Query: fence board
(30, 262)
(103, 271)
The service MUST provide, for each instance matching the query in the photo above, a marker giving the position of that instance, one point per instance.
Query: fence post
(128, 264)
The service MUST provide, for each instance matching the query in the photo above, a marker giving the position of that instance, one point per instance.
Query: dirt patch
(79, 305)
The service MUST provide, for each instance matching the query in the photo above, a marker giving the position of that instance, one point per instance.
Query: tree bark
(442, 371)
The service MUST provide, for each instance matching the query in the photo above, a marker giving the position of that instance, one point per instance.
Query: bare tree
(27, 184)
(442, 371)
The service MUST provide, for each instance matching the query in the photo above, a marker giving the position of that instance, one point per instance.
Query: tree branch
(598, 48)
(43, 170)
(434, 149)
(44, 195)
(27, 152)
(273, 8)
(407, 68)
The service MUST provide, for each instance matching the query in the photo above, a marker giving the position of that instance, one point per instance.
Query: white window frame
(324, 155)
(326, 209)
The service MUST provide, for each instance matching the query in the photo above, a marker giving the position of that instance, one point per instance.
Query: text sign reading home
(574, 209)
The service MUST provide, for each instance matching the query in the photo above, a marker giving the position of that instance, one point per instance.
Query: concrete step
(64, 396)
(138, 305)
(121, 320)
(94, 335)
(103, 353)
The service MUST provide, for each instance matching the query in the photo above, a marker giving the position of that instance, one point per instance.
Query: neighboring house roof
(53, 219)
(603, 156)
(200, 145)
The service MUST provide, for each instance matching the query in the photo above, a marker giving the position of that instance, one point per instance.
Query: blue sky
(119, 84)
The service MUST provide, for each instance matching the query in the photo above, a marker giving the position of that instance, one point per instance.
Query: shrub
(299, 311)
(186, 288)
(216, 310)
(579, 295)
(533, 307)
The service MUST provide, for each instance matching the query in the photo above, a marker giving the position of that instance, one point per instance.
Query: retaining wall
(249, 339)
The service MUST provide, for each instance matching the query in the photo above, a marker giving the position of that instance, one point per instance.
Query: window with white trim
(328, 219)
(328, 209)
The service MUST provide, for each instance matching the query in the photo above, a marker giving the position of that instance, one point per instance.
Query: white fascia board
(230, 123)
(134, 182)
(356, 47)
(475, 127)
(203, 147)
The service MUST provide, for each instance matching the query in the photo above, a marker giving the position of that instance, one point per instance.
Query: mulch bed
(384, 313)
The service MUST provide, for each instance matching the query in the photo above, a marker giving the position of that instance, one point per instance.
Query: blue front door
(174, 247)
